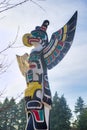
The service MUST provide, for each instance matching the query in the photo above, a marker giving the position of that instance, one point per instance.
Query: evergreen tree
(82, 122)
(8, 115)
(64, 114)
(82, 114)
(54, 118)
(1, 114)
(12, 111)
(79, 105)
(60, 114)
(21, 116)
(4, 115)
(12, 115)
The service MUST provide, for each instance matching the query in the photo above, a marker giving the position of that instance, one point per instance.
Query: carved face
(35, 38)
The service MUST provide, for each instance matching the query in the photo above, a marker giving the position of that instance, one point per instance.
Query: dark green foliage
(12, 115)
(82, 122)
(54, 119)
(79, 105)
(4, 115)
(21, 117)
(81, 112)
(60, 114)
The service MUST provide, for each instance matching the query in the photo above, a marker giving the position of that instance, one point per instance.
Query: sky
(69, 77)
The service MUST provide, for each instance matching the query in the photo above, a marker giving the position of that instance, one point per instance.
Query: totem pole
(45, 55)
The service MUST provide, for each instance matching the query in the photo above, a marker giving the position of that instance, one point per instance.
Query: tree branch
(12, 6)
(6, 5)
(11, 44)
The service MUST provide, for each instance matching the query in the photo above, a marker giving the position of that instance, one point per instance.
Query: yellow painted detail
(65, 28)
(31, 88)
(65, 31)
(25, 39)
(64, 37)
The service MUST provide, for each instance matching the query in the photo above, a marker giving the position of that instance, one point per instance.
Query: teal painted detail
(55, 53)
(58, 35)
(41, 113)
(38, 34)
(51, 58)
(29, 76)
(59, 47)
(34, 58)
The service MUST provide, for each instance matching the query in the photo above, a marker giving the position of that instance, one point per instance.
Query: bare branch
(2, 92)
(38, 5)
(4, 65)
(12, 6)
(11, 44)
(5, 5)
(2, 2)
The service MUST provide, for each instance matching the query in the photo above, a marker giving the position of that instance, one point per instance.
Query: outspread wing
(60, 43)
(23, 63)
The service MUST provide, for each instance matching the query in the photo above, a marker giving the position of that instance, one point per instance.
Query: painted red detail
(32, 66)
(33, 40)
(36, 114)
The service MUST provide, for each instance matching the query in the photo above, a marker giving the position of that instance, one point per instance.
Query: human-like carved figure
(45, 55)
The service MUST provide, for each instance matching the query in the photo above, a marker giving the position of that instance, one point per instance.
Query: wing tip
(75, 14)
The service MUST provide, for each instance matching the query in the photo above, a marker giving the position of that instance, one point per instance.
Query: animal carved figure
(45, 55)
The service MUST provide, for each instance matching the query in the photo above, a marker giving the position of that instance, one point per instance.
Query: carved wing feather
(60, 43)
(23, 63)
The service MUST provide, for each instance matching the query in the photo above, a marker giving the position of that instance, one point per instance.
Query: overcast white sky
(69, 77)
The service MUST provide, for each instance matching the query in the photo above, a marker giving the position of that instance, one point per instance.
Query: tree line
(13, 117)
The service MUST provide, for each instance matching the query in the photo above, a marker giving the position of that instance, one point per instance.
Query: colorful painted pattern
(34, 67)
(60, 43)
